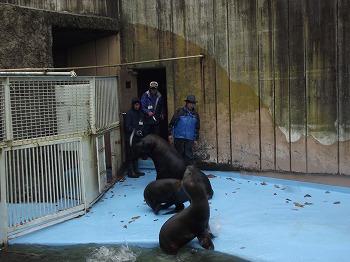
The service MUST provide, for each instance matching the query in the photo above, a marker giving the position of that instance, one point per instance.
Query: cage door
(101, 163)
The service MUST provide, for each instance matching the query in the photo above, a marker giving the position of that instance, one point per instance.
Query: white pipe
(45, 71)
(72, 73)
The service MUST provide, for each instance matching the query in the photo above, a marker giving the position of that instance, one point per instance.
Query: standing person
(153, 108)
(184, 129)
(134, 120)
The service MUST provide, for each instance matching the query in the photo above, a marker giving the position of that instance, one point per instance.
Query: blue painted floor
(255, 218)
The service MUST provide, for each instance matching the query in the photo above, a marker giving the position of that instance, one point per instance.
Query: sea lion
(167, 161)
(191, 222)
(163, 193)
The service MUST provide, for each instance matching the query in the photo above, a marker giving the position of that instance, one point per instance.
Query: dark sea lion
(167, 161)
(163, 193)
(191, 222)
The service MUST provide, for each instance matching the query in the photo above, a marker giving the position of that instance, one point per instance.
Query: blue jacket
(185, 124)
(152, 103)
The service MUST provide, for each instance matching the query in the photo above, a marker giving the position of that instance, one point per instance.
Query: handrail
(45, 69)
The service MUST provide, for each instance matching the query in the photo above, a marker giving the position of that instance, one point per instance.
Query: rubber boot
(131, 172)
(136, 168)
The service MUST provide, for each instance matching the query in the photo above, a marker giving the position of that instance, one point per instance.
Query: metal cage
(47, 127)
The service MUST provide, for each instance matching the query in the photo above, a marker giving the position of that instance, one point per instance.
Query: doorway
(144, 77)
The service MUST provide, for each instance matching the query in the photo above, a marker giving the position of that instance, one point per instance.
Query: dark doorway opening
(144, 77)
(68, 37)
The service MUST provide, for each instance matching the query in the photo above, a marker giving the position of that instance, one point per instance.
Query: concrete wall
(106, 8)
(30, 37)
(273, 87)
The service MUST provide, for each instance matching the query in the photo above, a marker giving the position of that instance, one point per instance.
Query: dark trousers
(129, 153)
(185, 148)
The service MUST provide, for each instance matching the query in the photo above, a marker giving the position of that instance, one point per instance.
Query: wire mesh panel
(42, 181)
(107, 105)
(72, 108)
(42, 107)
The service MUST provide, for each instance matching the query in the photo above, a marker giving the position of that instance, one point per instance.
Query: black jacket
(134, 119)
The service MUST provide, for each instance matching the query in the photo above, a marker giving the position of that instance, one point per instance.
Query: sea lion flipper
(205, 241)
(179, 207)
(208, 231)
(157, 208)
(170, 212)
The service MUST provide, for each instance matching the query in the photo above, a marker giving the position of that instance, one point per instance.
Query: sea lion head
(145, 146)
(191, 183)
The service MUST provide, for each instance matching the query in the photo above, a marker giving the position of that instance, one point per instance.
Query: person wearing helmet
(184, 129)
(134, 123)
(153, 107)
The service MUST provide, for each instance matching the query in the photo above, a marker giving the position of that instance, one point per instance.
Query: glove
(170, 139)
(150, 114)
(138, 132)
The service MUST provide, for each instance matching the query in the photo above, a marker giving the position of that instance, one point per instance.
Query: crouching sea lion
(163, 193)
(191, 222)
(167, 161)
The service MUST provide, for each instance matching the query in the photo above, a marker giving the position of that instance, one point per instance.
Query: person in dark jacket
(134, 120)
(184, 129)
(153, 107)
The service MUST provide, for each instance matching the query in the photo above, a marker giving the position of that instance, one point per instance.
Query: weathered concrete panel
(343, 85)
(222, 83)
(166, 48)
(145, 11)
(16, 48)
(273, 87)
(199, 25)
(267, 94)
(296, 52)
(243, 66)
(281, 83)
(321, 86)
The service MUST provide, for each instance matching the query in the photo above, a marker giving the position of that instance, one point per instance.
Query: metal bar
(21, 185)
(76, 173)
(42, 188)
(30, 174)
(64, 177)
(79, 193)
(55, 171)
(17, 175)
(69, 172)
(21, 233)
(60, 167)
(45, 69)
(4, 196)
(7, 104)
(26, 174)
(9, 186)
(82, 147)
(35, 172)
(48, 162)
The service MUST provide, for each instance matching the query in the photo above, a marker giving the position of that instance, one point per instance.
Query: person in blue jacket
(134, 120)
(153, 107)
(184, 129)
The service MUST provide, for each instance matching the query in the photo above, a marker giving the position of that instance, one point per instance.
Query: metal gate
(47, 127)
